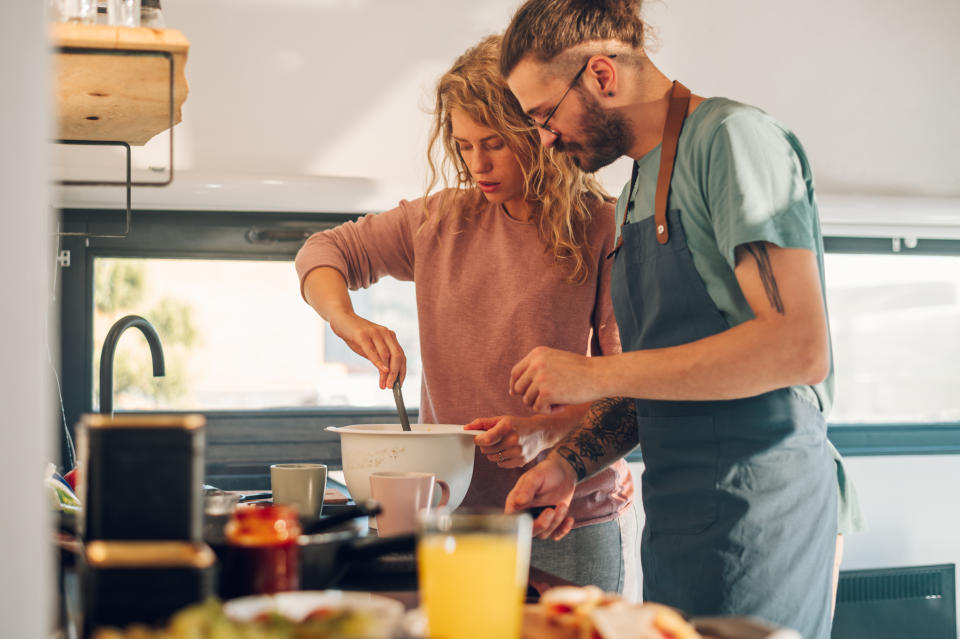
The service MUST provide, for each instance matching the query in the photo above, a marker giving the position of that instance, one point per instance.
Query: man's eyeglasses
(544, 125)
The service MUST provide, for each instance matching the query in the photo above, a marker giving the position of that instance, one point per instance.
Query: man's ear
(603, 75)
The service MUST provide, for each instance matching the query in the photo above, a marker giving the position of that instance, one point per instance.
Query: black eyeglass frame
(544, 125)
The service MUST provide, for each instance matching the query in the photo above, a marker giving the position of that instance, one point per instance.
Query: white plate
(385, 613)
(740, 628)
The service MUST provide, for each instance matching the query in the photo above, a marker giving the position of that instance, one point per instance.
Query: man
(726, 373)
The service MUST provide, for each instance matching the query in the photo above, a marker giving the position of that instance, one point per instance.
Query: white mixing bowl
(443, 449)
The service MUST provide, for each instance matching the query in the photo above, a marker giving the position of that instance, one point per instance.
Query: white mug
(299, 485)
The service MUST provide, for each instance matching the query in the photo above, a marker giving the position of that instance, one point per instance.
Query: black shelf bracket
(128, 182)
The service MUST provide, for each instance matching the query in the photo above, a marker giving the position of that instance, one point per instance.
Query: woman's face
(490, 161)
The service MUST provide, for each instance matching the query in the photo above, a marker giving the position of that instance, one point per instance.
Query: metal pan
(325, 558)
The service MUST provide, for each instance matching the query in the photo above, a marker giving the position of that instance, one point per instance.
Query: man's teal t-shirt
(739, 177)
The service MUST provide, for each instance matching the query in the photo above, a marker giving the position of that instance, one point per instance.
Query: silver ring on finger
(500, 457)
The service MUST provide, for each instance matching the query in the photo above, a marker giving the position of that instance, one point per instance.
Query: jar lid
(263, 525)
(150, 3)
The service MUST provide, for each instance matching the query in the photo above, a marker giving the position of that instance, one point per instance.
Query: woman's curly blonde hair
(560, 194)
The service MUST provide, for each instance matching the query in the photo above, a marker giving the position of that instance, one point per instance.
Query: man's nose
(546, 138)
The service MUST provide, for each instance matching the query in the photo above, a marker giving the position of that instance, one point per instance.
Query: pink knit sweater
(487, 293)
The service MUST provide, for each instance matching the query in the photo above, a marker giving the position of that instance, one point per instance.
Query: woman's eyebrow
(494, 136)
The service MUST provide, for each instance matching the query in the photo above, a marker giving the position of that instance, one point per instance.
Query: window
(240, 344)
(243, 348)
(237, 336)
(895, 323)
(894, 314)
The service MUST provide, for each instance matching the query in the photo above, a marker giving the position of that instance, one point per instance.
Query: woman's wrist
(553, 428)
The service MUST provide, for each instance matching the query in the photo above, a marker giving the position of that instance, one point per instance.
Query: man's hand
(549, 483)
(548, 379)
(374, 342)
(510, 442)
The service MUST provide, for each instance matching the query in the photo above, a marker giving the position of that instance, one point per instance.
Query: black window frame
(240, 444)
(905, 438)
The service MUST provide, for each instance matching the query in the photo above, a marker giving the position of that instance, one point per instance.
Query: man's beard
(606, 136)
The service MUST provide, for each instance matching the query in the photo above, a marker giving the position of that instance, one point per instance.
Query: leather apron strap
(676, 113)
(679, 104)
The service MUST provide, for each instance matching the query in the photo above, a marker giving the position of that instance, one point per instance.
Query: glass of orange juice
(473, 569)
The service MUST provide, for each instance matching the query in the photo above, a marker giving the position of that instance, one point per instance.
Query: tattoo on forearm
(759, 253)
(588, 446)
(608, 431)
(614, 423)
(575, 462)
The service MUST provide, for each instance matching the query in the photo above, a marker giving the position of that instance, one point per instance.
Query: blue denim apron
(740, 495)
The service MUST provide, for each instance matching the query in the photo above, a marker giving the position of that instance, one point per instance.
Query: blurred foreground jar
(73, 11)
(141, 477)
(262, 554)
(126, 582)
(123, 13)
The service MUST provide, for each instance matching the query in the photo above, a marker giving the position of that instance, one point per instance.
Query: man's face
(581, 127)
(604, 136)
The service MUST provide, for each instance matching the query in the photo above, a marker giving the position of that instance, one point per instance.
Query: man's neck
(647, 112)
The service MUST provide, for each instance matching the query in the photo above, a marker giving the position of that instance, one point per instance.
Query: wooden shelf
(122, 96)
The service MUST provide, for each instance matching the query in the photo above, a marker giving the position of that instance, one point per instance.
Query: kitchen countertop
(394, 575)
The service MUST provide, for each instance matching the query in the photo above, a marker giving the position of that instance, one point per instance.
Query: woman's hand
(511, 442)
(374, 342)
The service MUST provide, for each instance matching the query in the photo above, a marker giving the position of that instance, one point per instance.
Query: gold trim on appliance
(154, 554)
(187, 422)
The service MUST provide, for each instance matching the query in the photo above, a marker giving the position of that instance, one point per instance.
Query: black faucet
(110, 345)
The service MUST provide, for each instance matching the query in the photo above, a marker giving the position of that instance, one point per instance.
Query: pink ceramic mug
(402, 496)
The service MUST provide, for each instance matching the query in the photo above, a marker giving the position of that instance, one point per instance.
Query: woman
(509, 258)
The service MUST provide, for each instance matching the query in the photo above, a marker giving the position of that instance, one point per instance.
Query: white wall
(869, 86)
(25, 261)
(912, 510)
(298, 88)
